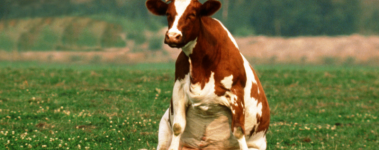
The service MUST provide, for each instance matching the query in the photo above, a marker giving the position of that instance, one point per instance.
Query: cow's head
(183, 18)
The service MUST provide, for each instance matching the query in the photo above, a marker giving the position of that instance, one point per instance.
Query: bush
(76, 58)
(329, 61)
(134, 28)
(70, 34)
(46, 40)
(6, 43)
(111, 36)
(25, 41)
(87, 38)
(349, 61)
(155, 43)
(96, 59)
(244, 31)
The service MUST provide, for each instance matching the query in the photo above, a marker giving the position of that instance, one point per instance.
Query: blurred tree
(267, 17)
(369, 18)
(225, 10)
(4, 8)
(293, 18)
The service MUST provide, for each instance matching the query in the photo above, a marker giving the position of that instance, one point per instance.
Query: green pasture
(55, 106)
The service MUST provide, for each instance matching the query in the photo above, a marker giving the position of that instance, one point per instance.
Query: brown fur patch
(254, 91)
(181, 66)
(252, 131)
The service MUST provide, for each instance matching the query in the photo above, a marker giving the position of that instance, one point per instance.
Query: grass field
(55, 106)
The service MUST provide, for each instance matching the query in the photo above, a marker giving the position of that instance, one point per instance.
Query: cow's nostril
(173, 37)
(178, 37)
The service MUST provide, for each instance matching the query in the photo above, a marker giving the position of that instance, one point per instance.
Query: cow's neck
(208, 42)
(205, 52)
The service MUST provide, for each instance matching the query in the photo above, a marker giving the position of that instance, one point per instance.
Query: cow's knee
(177, 129)
(238, 133)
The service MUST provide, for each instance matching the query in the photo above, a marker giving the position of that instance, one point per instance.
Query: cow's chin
(175, 45)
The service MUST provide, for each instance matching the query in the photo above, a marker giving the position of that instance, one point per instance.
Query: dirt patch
(115, 55)
(354, 49)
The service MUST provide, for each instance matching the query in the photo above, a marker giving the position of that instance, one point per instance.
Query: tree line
(243, 17)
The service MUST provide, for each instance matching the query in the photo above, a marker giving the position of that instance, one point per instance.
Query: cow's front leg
(179, 115)
(238, 122)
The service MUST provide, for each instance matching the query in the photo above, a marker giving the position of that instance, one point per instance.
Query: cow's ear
(210, 7)
(157, 7)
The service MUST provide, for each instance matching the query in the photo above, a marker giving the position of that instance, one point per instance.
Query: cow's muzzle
(174, 40)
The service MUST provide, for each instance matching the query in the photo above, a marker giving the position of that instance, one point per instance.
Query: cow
(217, 100)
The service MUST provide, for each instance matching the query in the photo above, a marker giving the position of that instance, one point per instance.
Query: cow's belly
(209, 128)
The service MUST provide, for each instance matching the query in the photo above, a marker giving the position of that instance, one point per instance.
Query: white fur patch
(227, 82)
(229, 34)
(188, 48)
(197, 93)
(253, 107)
(249, 72)
(242, 143)
(204, 108)
(258, 141)
(180, 6)
(199, 96)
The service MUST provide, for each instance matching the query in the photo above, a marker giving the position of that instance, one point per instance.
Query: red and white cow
(217, 101)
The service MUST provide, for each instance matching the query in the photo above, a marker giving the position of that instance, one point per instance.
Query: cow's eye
(191, 16)
(168, 16)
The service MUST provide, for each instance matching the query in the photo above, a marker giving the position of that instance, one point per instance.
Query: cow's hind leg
(238, 123)
(164, 135)
(238, 132)
(257, 141)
